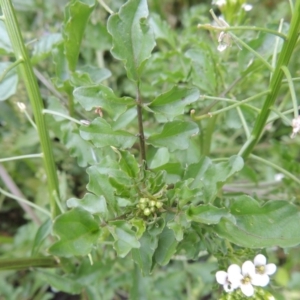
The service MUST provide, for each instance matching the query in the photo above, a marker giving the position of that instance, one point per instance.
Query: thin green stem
(23, 109)
(11, 66)
(233, 28)
(281, 115)
(229, 100)
(39, 155)
(210, 114)
(105, 6)
(292, 89)
(291, 6)
(275, 84)
(281, 170)
(139, 104)
(55, 113)
(34, 94)
(241, 42)
(28, 262)
(274, 56)
(244, 123)
(19, 199)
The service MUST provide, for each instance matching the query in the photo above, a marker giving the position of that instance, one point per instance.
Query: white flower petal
(247, 290)
(248, 268)
(221, 277)
(221, 47)
(270, 269)
(234, 269)
(260, 260)
(260, 280)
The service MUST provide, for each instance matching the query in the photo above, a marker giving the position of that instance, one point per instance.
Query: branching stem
(140, 125)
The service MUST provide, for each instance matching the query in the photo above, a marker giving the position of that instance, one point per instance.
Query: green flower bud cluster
(260, 294)
(148, 206)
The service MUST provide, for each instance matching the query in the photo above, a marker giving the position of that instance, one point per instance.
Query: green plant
(165, 127)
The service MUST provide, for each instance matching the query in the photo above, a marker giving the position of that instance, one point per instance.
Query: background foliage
(160, 208)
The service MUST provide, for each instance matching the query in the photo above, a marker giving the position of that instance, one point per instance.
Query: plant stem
(27, 262)
(209, 115)
(292, 89)
(34, 94)
(56, 113)
(275, 84)
(233, 28)
(283, 171)
(11, 66)
(140, 125)
(39, 155)
(25, 202)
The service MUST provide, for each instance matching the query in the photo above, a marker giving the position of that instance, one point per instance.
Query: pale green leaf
(91, 203)
(124, 236)
(91, 97)
(43, 47)
(8, 85)
(77, 230)
(276, 223)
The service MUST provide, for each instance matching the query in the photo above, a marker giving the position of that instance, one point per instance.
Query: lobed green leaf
(133, 39)
(77, 231)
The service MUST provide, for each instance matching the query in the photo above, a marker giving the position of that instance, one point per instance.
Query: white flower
(263, 270)
(249, 278)
(231, 279)
(247, 7)
(296, 126)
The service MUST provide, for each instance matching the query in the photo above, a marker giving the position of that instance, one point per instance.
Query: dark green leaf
(276, 223)
(102, 135)
(160, 158)
(166, 247)
(77, 13)
(77, 231)
(129, 164)
(174, 135)
(133, 39)
(173, 102)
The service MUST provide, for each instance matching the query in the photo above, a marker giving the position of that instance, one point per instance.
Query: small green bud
(143, 205)
(152, 209)
(144, 200)
(159, 204)
(152, 203)
(147, 211)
